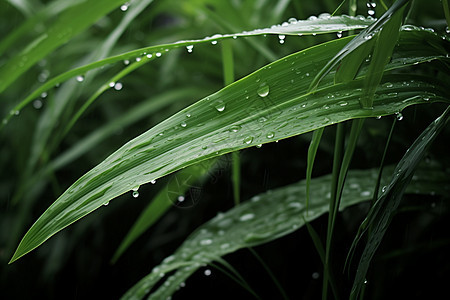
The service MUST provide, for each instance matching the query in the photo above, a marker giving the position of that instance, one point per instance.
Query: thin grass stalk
(380, 172)
(337, 161)
(228, 75)
(312, 152)
(234, 275)
(272, 276)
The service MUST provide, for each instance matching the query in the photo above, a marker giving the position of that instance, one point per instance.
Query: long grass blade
(249, 112)
(245, 226)
(363, 37)
(307, 27)
(382, 212)
(70, 22)
(382, 53)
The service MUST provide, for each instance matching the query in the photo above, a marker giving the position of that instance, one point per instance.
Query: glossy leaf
(268, 105)
(381, 214)
(246, 226)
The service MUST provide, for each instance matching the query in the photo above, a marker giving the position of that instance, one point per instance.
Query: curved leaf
(268, 105)
(246, 226)
(317, 26)
(70, 22)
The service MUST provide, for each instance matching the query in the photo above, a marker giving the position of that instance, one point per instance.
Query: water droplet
(365, 193)
(188, 115)
(388, 85)
(281, 38)
(80, 78)
(206, 242)
(183, 284)
(190, 48)
(378, 117)
(126, 62)
(180, 198)
(259, 146)
(312, 18)
(124, 7)
(292, 21)
(214, 42)
(339, 34)
(383, 189)
(235, 128)
(153, 181)
(183, 124)
(118, 86)
(248, 140)
(343, 103)
(307, 74)
(220, 106)
(225, 246)
(270, 135)
(246, 217)
(399, 116)
(263, 90)
(315, 275)
(106, 203)
(368, 36)
(37, 104)
(135, 194)
(207, 272)
(138, 59)
(44, 95)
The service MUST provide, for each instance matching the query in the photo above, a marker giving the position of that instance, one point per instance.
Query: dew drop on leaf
(135, 194)
(80, 78)
(248, 140)
(206, 242)
(235, 128)
(183, 124)
(190, 48)
(246, 217)
(270, 135)
(207, 272)
(124, 7)
(263, 90)
(220, 106)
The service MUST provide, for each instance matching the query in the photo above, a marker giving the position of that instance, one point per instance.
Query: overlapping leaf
(246, 226)
(270, 104)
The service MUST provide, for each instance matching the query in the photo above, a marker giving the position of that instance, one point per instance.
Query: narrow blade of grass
(382, 212)
(69, 23)
(245, 226)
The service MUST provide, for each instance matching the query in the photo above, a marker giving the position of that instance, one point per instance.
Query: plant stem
(228, 78)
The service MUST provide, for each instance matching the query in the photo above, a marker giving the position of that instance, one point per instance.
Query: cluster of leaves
(86, 57)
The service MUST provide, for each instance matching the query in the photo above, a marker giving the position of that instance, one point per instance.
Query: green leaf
(246, 226)
(384, 46)
(380, 215)
(69, 23)
(325, 25)
(268, 105)
(363, 37)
